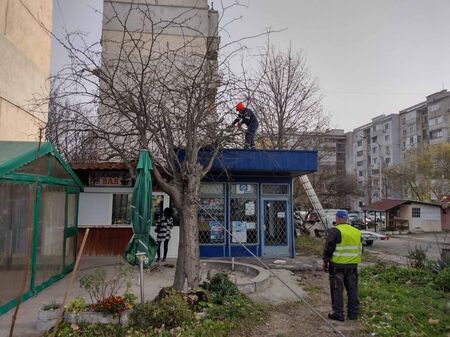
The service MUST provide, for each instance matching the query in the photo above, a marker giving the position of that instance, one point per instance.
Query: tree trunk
(188, 262)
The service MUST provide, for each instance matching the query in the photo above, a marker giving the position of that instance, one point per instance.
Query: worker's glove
(325, 266)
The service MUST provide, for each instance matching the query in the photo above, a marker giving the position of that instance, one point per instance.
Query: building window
(435, 134)
(121, 209)
(361, 173)
(359, 143)
(374, 150)
(374, 160)
(436, 120)
(403, 120)
(388, 161)
(374, 139)
(386, 126)
(386, 138)
(244, 210)
(211, 214)
(359, 153)
(434, 107)
(416, 212)
(411, 129)
(374, 128)
(360, 163)
(388, 150)
(411, 140)
(275, 189)
(404, 133)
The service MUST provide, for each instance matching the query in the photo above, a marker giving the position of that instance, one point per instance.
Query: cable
(305, 302)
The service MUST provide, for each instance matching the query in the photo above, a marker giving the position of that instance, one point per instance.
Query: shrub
(417, 257)
(78, 304)
(100, 288)
(442, 280)
(170, 311)
(113, 304)
(220, 287)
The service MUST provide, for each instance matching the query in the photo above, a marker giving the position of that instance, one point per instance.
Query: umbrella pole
(140, 257)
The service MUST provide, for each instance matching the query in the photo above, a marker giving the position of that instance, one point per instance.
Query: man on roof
(247, 117)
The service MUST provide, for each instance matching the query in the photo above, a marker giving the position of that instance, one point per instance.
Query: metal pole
(140, 257)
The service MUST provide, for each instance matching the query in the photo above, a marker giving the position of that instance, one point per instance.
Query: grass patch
(401, 302)
(309, 245)
(369, 257)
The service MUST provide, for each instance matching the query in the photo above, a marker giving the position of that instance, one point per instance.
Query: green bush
(220, 287)
(442, 280)
(417, 257)
(171, 312)
(78, 304)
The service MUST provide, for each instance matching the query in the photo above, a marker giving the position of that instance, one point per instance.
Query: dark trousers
(250, 135)
(340, 278)
(166, 248)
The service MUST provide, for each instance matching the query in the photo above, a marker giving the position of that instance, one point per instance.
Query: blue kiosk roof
(261, 162)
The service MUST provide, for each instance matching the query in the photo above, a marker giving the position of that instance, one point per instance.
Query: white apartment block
(370, 149)
(427, 122)
(25, 47)
(386, 139)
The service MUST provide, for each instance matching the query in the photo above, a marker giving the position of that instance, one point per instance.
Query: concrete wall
(25, 66)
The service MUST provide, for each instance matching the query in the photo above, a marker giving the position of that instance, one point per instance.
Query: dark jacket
(334, 237)
(246, 117)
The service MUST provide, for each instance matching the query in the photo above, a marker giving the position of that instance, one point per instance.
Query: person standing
(247, 117)
(163, 229)
(341, 256)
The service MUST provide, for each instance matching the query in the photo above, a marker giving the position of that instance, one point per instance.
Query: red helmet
(240, 106)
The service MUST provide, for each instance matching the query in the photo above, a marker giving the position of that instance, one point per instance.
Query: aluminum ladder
(315, 202)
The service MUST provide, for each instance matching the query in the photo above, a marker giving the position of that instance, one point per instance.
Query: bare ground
(296, 320)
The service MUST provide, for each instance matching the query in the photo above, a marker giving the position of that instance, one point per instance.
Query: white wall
(429, 221)
(95, 210)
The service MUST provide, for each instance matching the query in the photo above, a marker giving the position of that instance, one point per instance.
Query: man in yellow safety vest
(341, 255)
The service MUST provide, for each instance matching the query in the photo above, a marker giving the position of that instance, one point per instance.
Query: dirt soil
(296, 320)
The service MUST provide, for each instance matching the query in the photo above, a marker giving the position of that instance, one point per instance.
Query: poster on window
(250, 208)
(245, 189)
(239, 231)
(215, 231)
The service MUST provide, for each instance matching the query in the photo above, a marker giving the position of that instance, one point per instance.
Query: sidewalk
(27, 316)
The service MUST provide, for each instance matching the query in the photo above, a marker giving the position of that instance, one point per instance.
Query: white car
(369, 237)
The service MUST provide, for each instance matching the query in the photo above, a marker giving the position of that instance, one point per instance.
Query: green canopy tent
(141, 214)
(39, 196)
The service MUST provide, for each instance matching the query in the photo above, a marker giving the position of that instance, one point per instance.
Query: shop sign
(109, 178)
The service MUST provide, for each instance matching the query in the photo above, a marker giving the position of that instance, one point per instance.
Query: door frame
(275, 250)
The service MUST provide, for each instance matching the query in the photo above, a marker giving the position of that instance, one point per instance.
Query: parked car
(369, 237)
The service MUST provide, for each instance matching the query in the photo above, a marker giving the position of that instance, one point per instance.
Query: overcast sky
(369, 56)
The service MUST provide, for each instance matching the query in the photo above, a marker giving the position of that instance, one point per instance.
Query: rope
(302, 300)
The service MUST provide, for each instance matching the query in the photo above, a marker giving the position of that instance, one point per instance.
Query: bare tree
(146, 89)
(286, 99)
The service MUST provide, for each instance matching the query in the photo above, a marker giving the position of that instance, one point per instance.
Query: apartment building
(427, 122)
(332, 150)
(438, 117)
(370, 149)
(24, 67)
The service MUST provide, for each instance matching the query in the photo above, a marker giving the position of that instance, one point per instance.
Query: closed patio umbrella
(141, 214)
